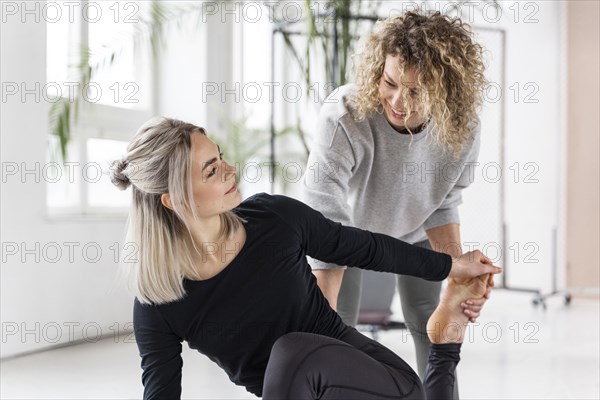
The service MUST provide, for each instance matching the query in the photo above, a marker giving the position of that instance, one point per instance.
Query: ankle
(442, 330)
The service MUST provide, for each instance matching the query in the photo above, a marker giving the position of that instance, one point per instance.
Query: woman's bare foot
(448, 322)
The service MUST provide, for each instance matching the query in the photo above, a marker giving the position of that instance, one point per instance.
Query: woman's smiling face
(213, 179)
(391, 90)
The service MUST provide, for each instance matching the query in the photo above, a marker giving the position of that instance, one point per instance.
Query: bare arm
(446, 239)
(330, 281)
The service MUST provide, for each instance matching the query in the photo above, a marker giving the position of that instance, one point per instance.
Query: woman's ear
(166, 201)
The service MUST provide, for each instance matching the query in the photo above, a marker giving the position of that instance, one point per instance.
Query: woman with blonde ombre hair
(231, 278)
(395, 149)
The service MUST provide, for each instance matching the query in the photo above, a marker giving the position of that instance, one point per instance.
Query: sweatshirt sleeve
(447, 212)
(332, 242)
(326, 182)
(160, 351)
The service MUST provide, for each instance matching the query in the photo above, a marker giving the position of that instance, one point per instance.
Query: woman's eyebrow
(209, 162)
(212, 160)
(405, 84)
(388, 77)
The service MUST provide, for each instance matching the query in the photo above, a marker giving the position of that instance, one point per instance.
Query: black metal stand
(540, 298)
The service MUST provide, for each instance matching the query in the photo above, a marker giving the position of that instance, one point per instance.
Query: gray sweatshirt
(368, 175)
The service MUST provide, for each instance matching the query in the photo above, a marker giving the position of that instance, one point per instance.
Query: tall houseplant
(148, 33)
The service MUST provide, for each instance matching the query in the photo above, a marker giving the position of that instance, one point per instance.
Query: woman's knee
(289, 348)
(289, 342)
(287, 364)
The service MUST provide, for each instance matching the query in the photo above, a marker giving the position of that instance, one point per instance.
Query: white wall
(51, 295)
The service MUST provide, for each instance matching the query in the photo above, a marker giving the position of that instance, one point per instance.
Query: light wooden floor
(516, 352)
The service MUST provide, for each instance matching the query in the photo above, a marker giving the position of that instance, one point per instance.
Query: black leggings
(309, 366)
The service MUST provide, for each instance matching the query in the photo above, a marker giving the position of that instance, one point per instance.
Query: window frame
(101, 121)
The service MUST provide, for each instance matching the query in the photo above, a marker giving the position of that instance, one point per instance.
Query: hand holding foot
(472, 307)
(469, 279)
(472, 264)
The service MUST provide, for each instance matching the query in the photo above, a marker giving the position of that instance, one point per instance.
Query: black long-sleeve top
(268, 290)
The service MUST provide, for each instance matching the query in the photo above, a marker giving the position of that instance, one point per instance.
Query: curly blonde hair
(448, 65)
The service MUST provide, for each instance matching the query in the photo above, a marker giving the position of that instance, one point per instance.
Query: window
(113, 105)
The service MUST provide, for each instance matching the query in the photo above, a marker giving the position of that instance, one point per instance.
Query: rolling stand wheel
(567, 299)
(539, 300)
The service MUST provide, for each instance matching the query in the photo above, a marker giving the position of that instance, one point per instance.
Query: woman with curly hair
(393, 152)
(231, 278)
